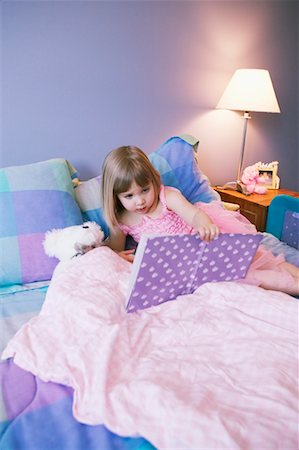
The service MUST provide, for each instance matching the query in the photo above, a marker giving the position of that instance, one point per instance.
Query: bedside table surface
(261, 199)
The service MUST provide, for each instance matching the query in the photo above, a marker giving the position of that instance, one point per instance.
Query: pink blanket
(214, 370)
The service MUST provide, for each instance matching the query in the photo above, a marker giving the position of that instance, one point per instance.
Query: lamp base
(235, 186)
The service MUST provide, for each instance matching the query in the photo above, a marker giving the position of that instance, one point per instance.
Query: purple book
(171, 265)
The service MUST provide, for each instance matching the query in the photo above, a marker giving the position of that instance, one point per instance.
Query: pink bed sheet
(215, 370)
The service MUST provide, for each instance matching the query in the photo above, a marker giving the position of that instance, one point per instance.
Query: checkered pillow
(34, 198)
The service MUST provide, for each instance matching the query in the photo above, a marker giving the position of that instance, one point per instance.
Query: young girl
(135, 202)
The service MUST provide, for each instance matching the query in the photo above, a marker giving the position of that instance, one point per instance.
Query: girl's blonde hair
(121, 168)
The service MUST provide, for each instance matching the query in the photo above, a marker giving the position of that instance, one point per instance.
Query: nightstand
(253, 206)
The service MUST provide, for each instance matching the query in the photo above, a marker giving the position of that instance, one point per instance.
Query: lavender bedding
(217, 369)
(37, 415)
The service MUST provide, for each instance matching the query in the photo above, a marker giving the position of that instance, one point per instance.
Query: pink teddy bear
(252, 181)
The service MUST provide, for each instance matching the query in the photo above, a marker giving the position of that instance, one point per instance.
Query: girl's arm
(192, 215)
(117, 241)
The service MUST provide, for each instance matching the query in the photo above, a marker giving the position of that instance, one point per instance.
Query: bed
(217, 369)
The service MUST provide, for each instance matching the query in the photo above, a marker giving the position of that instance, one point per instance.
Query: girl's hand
(128, 255)
(208, 232)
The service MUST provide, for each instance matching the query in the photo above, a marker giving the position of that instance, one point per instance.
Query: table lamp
(249, 90)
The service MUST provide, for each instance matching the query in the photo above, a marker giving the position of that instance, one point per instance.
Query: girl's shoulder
(125, 224)
(169, 190)
(169, 195)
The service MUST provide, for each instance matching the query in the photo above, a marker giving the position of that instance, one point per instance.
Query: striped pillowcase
(89, 198)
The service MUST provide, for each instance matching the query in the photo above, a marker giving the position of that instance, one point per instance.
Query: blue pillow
(176, 162)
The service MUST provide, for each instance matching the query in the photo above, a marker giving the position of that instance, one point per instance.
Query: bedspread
(216, 369)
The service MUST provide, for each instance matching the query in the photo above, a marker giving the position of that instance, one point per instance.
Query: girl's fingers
(207, 233)
(128, 255)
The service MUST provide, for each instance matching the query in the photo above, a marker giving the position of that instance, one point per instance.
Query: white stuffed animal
(65, 243)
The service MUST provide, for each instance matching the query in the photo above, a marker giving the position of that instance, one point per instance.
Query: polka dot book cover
(167, 266)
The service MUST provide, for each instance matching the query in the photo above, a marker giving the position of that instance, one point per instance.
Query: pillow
(174, 160)
(34, 198)
(283, 219)
(89, 198)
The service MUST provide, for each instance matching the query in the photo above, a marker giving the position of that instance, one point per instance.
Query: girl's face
(138, 199)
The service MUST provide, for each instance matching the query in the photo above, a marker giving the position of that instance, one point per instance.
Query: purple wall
(80, 78)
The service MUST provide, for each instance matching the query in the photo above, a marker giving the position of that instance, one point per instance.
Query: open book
(171, 265)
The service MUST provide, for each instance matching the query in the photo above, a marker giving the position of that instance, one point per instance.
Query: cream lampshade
(249, 90)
